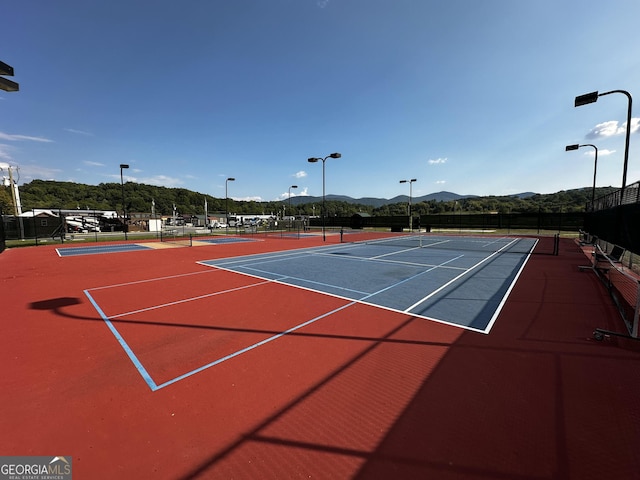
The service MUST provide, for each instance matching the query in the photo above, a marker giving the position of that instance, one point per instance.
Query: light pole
(292, 186)
(226, 199)
(568, 148)
(324, 212)
(124, 207)
(593, 97)
(410, 195)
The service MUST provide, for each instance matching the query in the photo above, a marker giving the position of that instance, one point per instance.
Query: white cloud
(300, 174)
(605, 129)
(601, 152)
(247, 199)
(13, 137)
(93, 164)
(79, 132)
(605, 152)
(159, 180)
(285, 195)
(31, 172)
(437, 161)
(4, 151)
(611, 128)
(441, 182)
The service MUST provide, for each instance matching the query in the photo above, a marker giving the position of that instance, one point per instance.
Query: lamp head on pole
(124, 165)
(586, 98)
(335, 155)
(568, 148)
(313, 159)
(413, 180)
(231, 179)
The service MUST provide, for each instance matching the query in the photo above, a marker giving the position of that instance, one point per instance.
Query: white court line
(362, 300)
(251, 347)
(305, 280)
(274, 255)
(276, 258)
(186, 300)
(435, 243)
(376, 257)
(424, 299)
(147, 376)
(155, 279)
(508, 292)
(384, 260)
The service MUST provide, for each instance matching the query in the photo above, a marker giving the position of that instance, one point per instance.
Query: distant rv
(79, 223)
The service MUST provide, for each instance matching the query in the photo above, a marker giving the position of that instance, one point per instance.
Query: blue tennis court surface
(132, 247)
(95, 249)
(447, 280)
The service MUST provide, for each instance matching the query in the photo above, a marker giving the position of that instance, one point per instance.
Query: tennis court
(168, 242)
(97, 249)
(433, 281)
(458, 281)
(430, 357)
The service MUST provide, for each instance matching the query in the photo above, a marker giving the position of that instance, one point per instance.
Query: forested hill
(139, 197)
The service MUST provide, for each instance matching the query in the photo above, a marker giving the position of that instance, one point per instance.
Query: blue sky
(468, 96)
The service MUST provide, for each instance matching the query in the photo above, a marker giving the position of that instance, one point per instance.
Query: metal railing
(630, 195)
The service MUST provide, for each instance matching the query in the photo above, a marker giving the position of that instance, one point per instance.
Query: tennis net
(173, 236)
(483, 243)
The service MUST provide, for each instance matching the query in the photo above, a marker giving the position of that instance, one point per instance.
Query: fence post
(35, 225)
(63, 226)
(3, 243)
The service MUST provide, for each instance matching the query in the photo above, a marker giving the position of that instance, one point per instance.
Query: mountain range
(378, 202)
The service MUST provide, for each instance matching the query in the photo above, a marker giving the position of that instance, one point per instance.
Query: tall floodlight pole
(593, 97)
(206, 213)
(595, 166)
(11, 86)
(324, 212)
(15, 197)
(410, 182)
(292, 186)
(124, 205)
(226, 199)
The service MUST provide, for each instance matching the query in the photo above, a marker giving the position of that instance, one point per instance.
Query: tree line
(139, 198)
